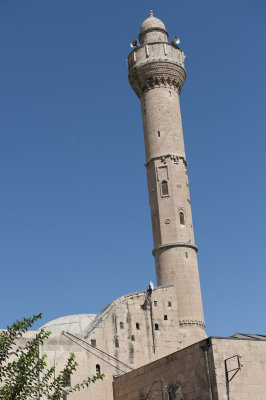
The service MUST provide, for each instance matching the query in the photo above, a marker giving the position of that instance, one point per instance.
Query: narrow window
(169, 304)
(93, 342)
(156, 326)
(165, 318)
(121, 325)
(98, 369)
(155, 303)
(182, 218)
(186, 254)
(159, 134)
(133, 338)
(137, 326)
(164, 188)
(116, 343)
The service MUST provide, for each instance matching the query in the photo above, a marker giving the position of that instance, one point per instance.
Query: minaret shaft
(157, 73)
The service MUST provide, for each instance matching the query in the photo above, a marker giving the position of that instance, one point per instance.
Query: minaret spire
(156, 74)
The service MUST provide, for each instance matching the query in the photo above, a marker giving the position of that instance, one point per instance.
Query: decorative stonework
(164, 157)
(154, 74)
(192, 322)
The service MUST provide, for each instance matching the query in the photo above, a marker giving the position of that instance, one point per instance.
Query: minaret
(156, 74)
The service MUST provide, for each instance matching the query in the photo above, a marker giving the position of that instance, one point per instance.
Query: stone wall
(132, 331)
(211, 369)
(183, 371)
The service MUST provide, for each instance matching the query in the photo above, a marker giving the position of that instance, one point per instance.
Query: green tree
(24, 374)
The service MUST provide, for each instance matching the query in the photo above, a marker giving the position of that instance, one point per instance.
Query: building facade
(142, 327)
(213, 369)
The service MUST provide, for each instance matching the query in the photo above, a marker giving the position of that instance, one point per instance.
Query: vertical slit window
(182, 218)
(121, 325)
(156, 326)
(164, 188)
(137, 326)
(98, 369)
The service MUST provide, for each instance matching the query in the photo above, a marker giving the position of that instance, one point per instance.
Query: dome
(152, 23)
(77, 323)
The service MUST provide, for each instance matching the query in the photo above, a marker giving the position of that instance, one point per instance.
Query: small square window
(93, 342)
(165, 317)
(169, 304)
(155, 303)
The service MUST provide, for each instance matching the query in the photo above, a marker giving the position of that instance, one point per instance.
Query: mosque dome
(77, 323)
(152, 30)
(152, 23)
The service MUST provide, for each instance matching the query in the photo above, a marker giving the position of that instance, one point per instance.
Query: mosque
(152, 344)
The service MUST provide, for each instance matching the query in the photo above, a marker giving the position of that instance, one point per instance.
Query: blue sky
(75, 230)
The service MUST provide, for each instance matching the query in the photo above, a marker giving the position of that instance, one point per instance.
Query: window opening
(159, 134)
(169, 304)
(137, 326)
(121, 325)
(186, 254)
(133, 338)
(165, 318)
(164, 188)
(93, 342)
(98, 369)
(155, 303)
(156, 326)
(182, 218)
(116, 343)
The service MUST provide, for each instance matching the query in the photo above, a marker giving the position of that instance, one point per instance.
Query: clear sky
(75, 230)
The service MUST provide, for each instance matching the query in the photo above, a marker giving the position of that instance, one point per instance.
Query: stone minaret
(156, 74)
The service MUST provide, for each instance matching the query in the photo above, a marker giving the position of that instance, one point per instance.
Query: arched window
(121, 325)
(98, 369)
(164, 188)
(182, 218)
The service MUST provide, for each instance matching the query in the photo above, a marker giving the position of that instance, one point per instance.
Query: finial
(151, 13)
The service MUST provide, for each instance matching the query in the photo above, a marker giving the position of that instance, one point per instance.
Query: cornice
(166, 246)
(192, 322)
(156, 73)
(174, 157)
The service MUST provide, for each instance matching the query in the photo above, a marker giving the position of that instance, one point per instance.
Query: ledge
(174, 244)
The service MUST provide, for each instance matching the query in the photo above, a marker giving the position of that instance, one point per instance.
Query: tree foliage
(24, 374)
